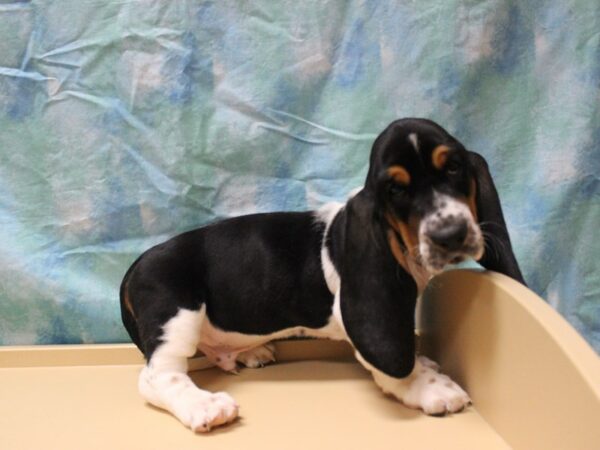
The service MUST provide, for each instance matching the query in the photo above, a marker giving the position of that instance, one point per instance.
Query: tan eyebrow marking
(399, 174)
(439, 156)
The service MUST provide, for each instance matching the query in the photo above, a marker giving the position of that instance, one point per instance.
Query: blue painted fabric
(124, 123)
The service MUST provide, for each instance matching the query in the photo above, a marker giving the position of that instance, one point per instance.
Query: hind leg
(164, 381)
(258, 356)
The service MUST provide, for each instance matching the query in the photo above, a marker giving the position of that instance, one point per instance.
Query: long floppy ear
(377, 296)
(498, 255)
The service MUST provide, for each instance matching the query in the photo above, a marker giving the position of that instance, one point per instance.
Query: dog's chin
(435, 261)
(436, 264)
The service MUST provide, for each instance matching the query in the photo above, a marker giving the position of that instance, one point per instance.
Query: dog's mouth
(452, 244)
(458, 259)
(436, 260)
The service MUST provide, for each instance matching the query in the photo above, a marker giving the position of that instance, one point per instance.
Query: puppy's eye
(396, 190)
(453, 168)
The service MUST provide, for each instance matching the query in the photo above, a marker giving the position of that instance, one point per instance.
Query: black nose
(449, 237)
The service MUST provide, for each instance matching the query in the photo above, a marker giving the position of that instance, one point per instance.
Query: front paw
(435, 393)
(202, 411)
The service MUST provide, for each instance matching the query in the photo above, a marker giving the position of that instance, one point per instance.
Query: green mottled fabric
(124, 123)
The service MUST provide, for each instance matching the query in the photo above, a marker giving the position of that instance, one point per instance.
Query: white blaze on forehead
(414, 139)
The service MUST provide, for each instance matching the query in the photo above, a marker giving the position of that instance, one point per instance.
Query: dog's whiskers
(493, 243)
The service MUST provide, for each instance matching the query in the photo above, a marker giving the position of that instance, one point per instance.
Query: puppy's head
(425, 190)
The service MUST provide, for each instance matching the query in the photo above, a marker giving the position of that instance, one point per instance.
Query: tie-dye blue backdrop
(123, 123)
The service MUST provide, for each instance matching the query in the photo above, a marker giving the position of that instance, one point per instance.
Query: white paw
(425, 361)
(201, 411)
(433, 392)
(258, 357)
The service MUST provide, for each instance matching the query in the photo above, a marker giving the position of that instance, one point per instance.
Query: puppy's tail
(127, 313)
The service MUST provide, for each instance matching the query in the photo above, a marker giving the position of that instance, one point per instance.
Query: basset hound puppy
(348, 271)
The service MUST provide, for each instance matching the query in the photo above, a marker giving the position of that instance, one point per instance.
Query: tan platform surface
(293, 405)
(86, 397)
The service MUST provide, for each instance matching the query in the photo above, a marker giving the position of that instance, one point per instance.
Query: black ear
(377, 296)
(498, 255)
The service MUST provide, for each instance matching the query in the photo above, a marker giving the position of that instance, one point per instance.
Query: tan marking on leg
(439, 156)
(399, 174)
